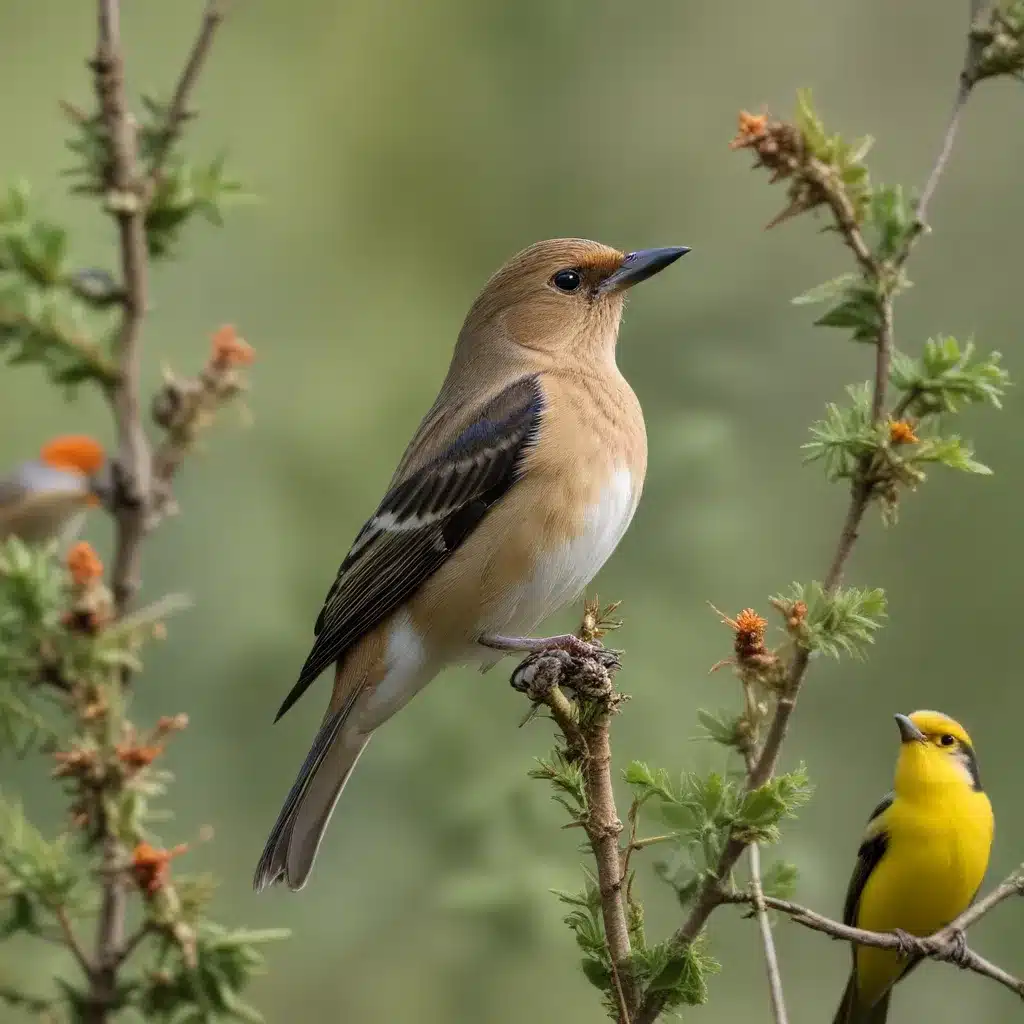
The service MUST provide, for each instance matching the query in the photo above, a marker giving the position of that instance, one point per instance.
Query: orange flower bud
(901, 432)
(84, 564)
(230, 350)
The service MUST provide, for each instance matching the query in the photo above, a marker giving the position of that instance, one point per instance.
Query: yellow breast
(934, 863)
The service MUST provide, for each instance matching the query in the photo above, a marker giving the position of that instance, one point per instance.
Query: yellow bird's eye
(947, 740)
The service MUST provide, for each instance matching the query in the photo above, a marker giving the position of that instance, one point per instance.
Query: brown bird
(514, 491)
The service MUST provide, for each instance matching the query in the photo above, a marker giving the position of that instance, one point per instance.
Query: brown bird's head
(565, 294)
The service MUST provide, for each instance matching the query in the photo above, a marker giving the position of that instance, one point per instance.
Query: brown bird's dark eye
(946, 740)
(567, 280)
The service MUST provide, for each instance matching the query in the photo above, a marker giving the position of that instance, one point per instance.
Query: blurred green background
(402, 151)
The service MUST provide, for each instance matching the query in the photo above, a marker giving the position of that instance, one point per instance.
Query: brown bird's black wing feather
(420, 522)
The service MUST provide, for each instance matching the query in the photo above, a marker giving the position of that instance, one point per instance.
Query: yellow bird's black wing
(870, 852)
(421, 521)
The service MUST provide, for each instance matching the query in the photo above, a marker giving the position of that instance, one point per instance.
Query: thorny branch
(711, 892)
(128, 189)
(542, 677)
(124, 201)
(946, 945)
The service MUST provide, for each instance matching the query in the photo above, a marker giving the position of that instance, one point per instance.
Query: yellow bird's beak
(909, 733)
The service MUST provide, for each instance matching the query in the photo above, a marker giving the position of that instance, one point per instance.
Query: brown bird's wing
(421, 521)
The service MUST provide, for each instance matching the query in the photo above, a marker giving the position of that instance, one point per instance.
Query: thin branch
(109, 934)
(177, 110)
(132, 465)
(603, 828)
(71, 941)
(843, 210)
(711, 894)
(946, 945)
(771, 960)
(125, 203)
(133, 942)
(126, 194)
(968, 79)
(586, 730)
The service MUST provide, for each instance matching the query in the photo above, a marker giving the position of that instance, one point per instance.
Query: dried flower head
(84, 564)
(751, 658)
(750, 628)
(794, 613)
(752, 127)
(75, 762)
(171, 723)
(137, 755)
(151, 866)
(598, 621)
(902, 432)
(230, 350)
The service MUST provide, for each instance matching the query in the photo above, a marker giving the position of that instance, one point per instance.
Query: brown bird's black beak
(640, 265)
(909, 733)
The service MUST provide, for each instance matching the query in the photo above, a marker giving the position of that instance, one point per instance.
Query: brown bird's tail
(853, 1011)
(295, 837)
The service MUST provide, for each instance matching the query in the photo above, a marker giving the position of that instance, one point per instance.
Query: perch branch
(945, 945)
(711, 893)
(586, 728)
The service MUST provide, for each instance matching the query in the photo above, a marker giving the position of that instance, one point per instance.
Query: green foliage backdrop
(401, 152)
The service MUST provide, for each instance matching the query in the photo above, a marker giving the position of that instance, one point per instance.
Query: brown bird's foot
(532, 645)
(908, 944)
(958, 952)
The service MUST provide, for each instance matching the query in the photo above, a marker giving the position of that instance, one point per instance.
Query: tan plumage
(516, 487)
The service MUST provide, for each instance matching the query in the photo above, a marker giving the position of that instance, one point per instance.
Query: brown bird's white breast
(562, 570)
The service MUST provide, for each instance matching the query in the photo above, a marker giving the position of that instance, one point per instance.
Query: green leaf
(779, 880)
(762, 809)
(845, 621)
(947, 376)
(596, 973)
(892, 216)
(638, 774)
(678, 972)
(827, 290)
(33, 867)
(723, 727)
(846, 435)
(860, 310)
(843, 158)
(949, 451)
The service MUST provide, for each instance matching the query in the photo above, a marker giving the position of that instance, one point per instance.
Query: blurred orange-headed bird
(514, 491)
(47, 497)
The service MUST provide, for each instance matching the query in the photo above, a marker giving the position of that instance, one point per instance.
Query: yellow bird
(922, 860)
(518, 485)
